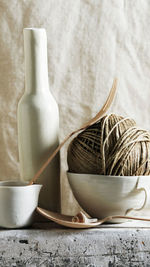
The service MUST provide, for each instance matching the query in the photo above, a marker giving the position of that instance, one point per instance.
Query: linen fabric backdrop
(89, 43)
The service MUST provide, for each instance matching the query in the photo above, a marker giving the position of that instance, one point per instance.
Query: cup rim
(5, 184)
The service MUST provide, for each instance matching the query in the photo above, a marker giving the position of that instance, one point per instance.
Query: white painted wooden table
(46, 244)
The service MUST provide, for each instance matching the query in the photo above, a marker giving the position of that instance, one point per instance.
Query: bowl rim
(109, 176)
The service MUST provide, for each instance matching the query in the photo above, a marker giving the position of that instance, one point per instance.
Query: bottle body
(38, 122)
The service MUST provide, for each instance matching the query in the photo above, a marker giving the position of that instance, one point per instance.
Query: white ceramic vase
(38, 121)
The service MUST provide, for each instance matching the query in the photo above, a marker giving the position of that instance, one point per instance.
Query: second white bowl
(101, 195)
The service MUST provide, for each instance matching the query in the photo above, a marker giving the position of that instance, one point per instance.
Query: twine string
(112, 146)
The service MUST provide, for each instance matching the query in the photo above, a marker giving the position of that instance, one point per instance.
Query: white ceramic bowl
(17, 203)
(102, 196)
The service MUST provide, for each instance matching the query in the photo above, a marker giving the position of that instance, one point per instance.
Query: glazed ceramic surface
(102, 196)
(17, 203)
(38, 121)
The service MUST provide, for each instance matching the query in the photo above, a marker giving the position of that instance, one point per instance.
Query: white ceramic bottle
(38, 121)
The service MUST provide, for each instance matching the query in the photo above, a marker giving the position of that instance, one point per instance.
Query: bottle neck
(36, 67)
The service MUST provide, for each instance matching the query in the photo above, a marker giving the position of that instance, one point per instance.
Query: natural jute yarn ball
(112, 146)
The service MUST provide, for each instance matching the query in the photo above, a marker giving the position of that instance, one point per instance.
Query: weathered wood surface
(49, 245)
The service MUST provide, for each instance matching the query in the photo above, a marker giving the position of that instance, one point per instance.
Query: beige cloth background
(89, 42)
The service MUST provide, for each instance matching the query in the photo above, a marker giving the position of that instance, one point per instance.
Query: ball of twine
(112, 146)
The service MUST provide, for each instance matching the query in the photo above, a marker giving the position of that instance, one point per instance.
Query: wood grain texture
(104, 247)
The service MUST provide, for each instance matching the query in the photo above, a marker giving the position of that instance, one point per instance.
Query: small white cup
(18, 203)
